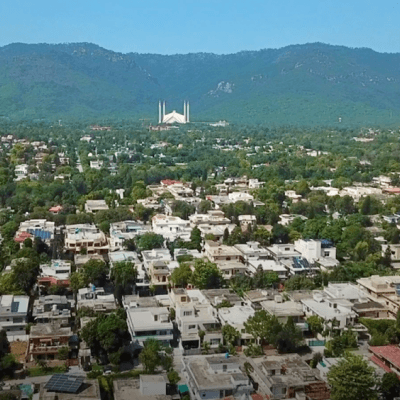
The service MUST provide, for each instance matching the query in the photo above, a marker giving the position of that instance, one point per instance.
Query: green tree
(150, 355)
(63, 353)
(95, 271)
(123, 274)
(389, 386)
(230, 334)
(206, 275)
(315, 324)
(182, 275)
(263, 327)
(149, 241)
(173, 377)
(352, 379)
(78, 281)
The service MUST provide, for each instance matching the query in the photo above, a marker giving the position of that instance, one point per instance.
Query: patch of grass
(40, 371)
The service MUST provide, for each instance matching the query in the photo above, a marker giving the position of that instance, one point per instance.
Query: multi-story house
(171, 228)
(216, 377)
(57, 273)
(85, 236)
(52, 309)
(219, 252)
(122, 231)
(149, 322)
(40, 228)
(96, 299)
(93, 206)
(45, 341)
(14, 314)
(194, 314)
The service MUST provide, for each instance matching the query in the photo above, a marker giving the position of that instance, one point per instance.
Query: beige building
(86, 236)
(216, 252)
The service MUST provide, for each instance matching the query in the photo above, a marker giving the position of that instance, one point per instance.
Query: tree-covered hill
(313, 84)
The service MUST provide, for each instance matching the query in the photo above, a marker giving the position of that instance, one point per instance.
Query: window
(192, 327)
(187, 313)
(224, 367)
(326, 253)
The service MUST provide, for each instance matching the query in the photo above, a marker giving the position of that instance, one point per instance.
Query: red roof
(168, 182)
(55, 209)
(392, 190)
(380, 363)
(388, 353)
(22, 236)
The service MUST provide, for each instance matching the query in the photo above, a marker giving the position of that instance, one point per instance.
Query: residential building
(159, 275)
(240, 196)
(291, 194)
(213, 217)
(194, 314)
(40, 228)
(57, 273)
(85, 236)
(14, 314)
(21, 172)
(383, 289)
(219, 252)
(319, 252)
(171, 228)
(96, 299)
(180, 190)
(394, 251)
(230, 269)
(287, 219)
(288, 377)
(285, 309)
(337, 313)
(149, 322)
(93, 206)
(216, 377)
(386, 357)
(236, 316)
(247, 221)
(147, 387)
(86, 389)
(45, 340)
(125, 230)
(268, 266)
(52, 309)
(151, 256)
(218, 296)
(186, 253)
(96, 164)
(255, 184)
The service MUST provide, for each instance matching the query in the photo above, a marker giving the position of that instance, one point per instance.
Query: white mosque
(174, 117)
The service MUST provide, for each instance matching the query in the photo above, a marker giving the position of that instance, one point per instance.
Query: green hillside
(311, 84)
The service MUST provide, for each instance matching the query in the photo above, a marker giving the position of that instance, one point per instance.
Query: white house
(14, 314)
(171, 228)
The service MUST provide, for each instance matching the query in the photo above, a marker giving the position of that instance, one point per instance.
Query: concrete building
(86, 236)
(319, 252)
(21, 172)
(216, 252)
(171, 228)
(218, 296)
(287, 219)
(394, 251)
(57, 273)
(149, 322)
(236, 316)
(40, 228)
(216, 377)
(14, 314)
(194, 314)
(213, 217)
(230, 269)
(52, 309)
(94, 206)
(247, 221)
(151, 256)
(125, 230)
(285, 309)
(45, 340)
(288, 377)
(96, 299)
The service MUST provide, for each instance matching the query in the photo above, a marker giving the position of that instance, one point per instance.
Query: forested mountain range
(312, 84)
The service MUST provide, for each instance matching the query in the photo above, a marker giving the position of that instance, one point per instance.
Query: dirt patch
(19, 350)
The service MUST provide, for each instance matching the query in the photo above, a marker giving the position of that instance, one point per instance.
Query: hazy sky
(219, 26)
